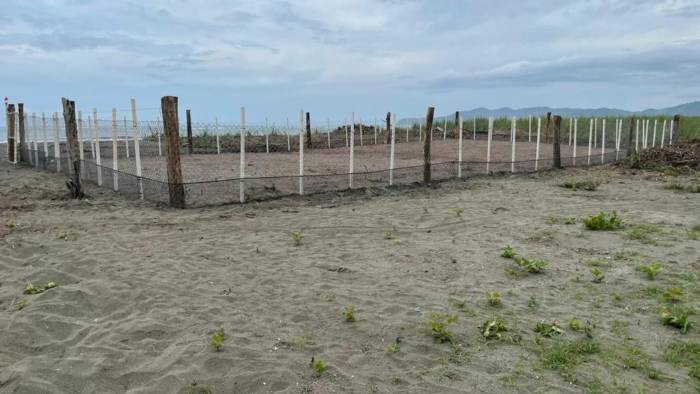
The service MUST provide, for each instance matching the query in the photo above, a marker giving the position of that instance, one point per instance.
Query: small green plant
(492, 328)
(395, 346)
(548, 330)
(217, 339)
(319, 366)
(388, 234)
(575, 324)
(598, 275)
(532, 302)
(493, 298)
(676, 317)
(652, 270)
(508, 252)
(21, 304)
(297, 238)
(570, 220)
(458, 211)
(533, 266)
(603, 221)
(552, 220)
(563, 355)
(439, 324)
(349, 314)
(31, 289)
(673, 294)
(694, 233)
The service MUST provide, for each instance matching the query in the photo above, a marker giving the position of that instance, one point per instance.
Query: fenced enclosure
(238, 162)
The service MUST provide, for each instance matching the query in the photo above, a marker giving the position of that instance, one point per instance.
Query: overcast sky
(331, 57)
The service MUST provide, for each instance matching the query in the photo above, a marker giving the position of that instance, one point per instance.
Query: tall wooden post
(308, 130)
(74, 185)
(426, 146)
(172, 140)
(675, 129)
(11, 137)
(190, 147)
(388, 127)
(556, 123)
(630, 137)
(23, 152)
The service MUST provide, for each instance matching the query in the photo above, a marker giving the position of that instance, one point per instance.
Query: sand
(140, 289)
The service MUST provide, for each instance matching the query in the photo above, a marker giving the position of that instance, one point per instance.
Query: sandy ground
(141, 289)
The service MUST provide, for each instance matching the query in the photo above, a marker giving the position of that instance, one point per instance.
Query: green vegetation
(598, 275)
(587, 185)
(633, 357)
(533, 266)
(217, 339)
(603, 221)
(575, 324)
(319, 366)
(652, 270)
(349, 314)
(492, 328)
(641, 232)
(298, 238)
(684, 354)
(493, 298)
(683, 188)
(532, 302)
(694, 233)
(548, 330)
(673, 294)
(458, 211)
(30, 289)
(438, 325)
(21, 304)
(564, 355)
(388, 234)
(570, 220)
(676, 317)
(395, 346)
(508, 252)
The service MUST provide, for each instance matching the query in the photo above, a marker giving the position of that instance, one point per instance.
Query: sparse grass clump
(533, 266)
(575, 324)
(30, 289)
(563, 355)
(694, 233)
(684, 354)
(388, 234)
(676, 317)
(458, 211)
(493, 298)
(673, 294)
(319, 366)
(651, 270)
(548, 330)
(587, 185)
(21, 304)
(492, 328)
(217, 339)
(297, 238)
(395, 346)
(508, 252)
(642, 232)
(598, 275)
(439, 324)
(603, 221)
(349, 314)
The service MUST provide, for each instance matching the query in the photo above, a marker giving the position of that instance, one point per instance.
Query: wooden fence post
(352, 149)
(190, 147)
(22, 134)
(458, 122)
(675, 128)
(630, 137)
(489, 136)
(537, 146)
(308, 130)
(392, 135)
(426, 146)
(115, 152)
(388, 127)
(11, 135)
(74, 185)
(556, 122)
(301, 151)
(241, 154)
(171, 127)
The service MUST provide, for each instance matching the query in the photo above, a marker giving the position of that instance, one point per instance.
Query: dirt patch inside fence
(140, 291)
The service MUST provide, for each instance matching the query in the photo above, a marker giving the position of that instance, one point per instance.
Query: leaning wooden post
(190, 147)
(308, 130)
(171, 127)
(630, 137)
(22, 134)
(11, 136)
(74, 185)
(556, 123)
(115, 152)
(388, 127)
(458, 121)
(426, 146)
(241, 184)
(675, 127)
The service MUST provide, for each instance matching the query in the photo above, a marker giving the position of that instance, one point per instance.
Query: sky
(333, 57)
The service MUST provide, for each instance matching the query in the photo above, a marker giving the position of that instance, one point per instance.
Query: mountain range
(687, 109)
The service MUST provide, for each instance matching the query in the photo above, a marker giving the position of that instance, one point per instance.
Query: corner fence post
(171, 127)
(74, 185)
(11, 137)
(190, 147)
(241, 154)
(22, 134)
(556, 122)
(427, 170)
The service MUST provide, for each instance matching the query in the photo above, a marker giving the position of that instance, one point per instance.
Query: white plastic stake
(36, 140)
(459, 155)
(512, 151)
(663, 133)
(115, 164)
(537, 148)
(571, 124)
(352, 149)
(618, 135)
(218, 143)
(328, 133)
(241, 182)
(46, 138)
(670, 132)
(653, 138)
(590, 140)
(406, 133)
(56, 145)
(646, 136)
(420, 132)
(137, 148)
(345, 126)
(575, 141)
(96, 137)
(636, 138)
(595, 133)
(267, 143)
(444, 130)
(361, 143)
(301, 151)
(488, 146)
(474, 131)
(375, 134)
(602, 145)
(391, 150)
(126, 136)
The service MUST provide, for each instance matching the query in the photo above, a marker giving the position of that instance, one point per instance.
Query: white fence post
(575, 141)
(444, 130)
(602, 145)
(328, 133)
(345, 127)
(375, 134)
(56, 145)
(571, 124)
(513, 130)
(352, 149)
(242, 164)
(646, 136)
(636, 138)
(595, 133)
(115, 155)
(137, 146)
(126, 137)
(301, 151)
(653, 139)
(36, 140)
(488, 145)
(618, 135)
(474, 131)
(361, 143)
(537, 148)
(46, 138)
(392, 149)
(81, 134)
(663, 133)
(98, 156)
(529, 128)
(670, 131)
(420, 132)
(158, 128)
(590, 141)
(459, 155)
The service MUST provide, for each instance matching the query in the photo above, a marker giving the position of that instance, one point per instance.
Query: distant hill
(688, 109)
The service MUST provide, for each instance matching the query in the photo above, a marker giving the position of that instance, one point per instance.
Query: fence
(235, 162)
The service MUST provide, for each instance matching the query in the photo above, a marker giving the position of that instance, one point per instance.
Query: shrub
(492, 328)
(548, 329)
(508, 252)
(652, 270)
(319, 366)
(676, 317)
(603, 221)
(298, 238)
(349, 313)
(493, 298)
(533, 266)
(439, 323)
(218, 339)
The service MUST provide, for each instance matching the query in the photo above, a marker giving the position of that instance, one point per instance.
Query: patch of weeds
(349, 314)
(684, 354)
(570, 220)
(300, 342)
(575, 324)
(21, 304)
(319, 366)
(642, 232)
(217, 339)
(624, 255)
(515, 274)
(297, 238)
(493, 298)
(533, 266)
(633, 357)
(598, 275)
(586, 185)
(676, 317)
(548, 330)
(673, 294)
(388, 234)
(395, 346)
(563, 355)
(552, 220)
(508, 252)
(532, 302)
(458, 211)
(694, 233)
(603, 221)
(679, 187)
(597, 262)
(492, 328)
(30, 289)
(651, 270)
(439, 324)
